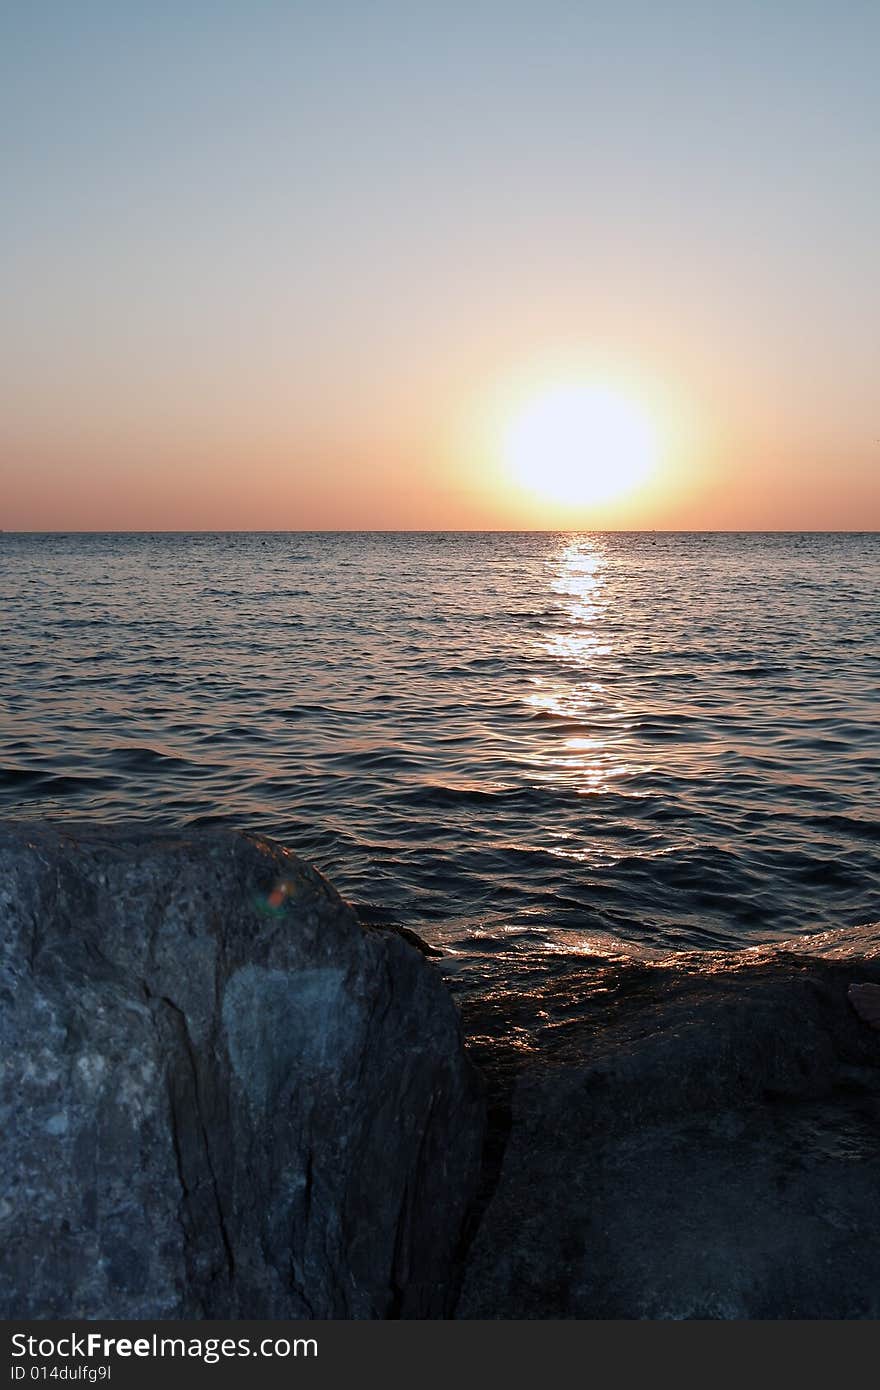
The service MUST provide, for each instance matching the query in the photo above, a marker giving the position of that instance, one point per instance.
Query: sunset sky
(351, 265)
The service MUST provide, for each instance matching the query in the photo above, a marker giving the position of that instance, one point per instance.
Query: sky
(298, 265)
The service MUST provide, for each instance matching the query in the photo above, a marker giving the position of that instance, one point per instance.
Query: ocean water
(504, 741)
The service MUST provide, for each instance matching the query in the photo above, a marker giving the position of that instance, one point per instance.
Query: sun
(579, 443)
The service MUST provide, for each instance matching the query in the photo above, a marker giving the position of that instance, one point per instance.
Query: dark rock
(219, 1100)
(222, 1097)
(409, 935)
(700, 1141)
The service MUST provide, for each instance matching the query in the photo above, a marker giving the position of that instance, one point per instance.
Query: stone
(220, 1096)
(691, 1140)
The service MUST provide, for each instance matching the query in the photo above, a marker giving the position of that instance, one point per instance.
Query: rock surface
(220, 1097)
(699, 1140)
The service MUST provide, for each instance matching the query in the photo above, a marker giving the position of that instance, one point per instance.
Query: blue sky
(301, 240)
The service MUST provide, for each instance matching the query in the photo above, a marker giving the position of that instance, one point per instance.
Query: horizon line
(448, 530)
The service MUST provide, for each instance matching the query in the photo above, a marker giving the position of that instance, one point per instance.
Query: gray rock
(216, 1107)
(678, 1142)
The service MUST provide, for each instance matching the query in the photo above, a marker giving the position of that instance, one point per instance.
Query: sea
(651, 742)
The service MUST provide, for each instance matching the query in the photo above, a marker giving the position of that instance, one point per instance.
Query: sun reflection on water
(586, 749)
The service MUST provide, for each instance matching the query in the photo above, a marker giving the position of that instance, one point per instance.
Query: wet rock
(679, 1142)
(408, 935)
(221, 1097)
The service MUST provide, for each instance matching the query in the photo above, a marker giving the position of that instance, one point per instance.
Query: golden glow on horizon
(579, 443)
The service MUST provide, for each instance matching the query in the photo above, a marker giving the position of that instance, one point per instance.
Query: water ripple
(664, 741)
